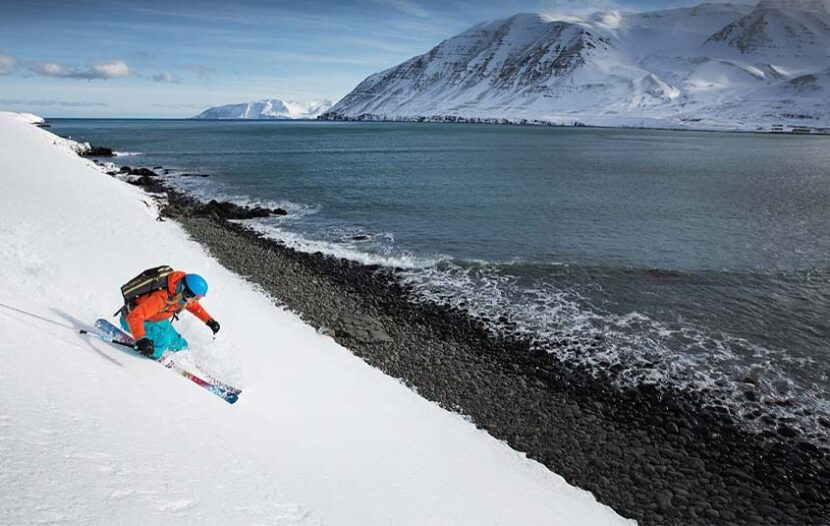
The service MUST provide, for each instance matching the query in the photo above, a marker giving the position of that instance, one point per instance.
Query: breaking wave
(351, 248)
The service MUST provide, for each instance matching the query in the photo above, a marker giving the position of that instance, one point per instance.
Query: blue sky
(174, 58)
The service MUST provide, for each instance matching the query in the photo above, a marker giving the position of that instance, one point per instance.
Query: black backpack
(150, 280)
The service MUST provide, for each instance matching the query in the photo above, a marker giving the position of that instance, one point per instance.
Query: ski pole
(116, 342)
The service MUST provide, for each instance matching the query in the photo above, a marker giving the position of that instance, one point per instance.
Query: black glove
(145, 346)
(213, 324)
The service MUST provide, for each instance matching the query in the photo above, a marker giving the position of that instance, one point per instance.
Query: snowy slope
(710, 66)
(268, 109)
(91, 434)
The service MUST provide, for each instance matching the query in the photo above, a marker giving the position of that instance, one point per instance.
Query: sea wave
(638, 348)
(295, 210)
(345, 249)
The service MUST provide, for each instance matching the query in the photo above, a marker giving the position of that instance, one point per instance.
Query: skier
(148, 317)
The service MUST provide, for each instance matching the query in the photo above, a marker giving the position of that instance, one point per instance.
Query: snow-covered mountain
(710, 66)
(268, 109)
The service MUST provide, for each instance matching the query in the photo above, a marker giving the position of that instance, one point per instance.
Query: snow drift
(91, 434)
(711, 66)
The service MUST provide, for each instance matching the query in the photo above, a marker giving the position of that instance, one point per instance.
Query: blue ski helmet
(196, 284)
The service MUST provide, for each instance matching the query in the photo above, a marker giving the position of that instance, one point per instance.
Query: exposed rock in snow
(268, 109)
(792, 27)
(711, 66)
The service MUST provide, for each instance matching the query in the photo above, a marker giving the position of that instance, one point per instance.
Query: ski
(114, 335)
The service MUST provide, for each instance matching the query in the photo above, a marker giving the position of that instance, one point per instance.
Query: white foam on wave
(645, 350)
(295, 210)
(342, 250)
(126, 154)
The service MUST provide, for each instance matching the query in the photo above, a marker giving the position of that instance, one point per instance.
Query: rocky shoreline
(684, 124)
(661, 457)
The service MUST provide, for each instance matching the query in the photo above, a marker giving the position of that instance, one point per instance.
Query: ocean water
(697, 259)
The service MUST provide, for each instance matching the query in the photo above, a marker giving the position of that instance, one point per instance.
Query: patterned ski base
(108, 331)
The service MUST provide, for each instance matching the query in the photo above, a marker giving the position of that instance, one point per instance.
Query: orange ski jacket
(161, 305)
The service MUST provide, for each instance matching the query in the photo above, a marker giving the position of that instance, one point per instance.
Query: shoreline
(541, 123)
(482, 122)
(660, 457)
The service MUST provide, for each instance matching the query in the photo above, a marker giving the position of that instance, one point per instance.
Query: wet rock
(144, 180)
(664, 500)
(98, 151)
(364, 329)
(326, 331)
(126, 170)
(812, 449)
(226, 210)
(810, 494)
(787, 431)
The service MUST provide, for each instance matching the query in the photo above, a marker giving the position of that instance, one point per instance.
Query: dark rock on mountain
(779, 25)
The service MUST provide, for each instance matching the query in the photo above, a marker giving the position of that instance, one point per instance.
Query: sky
(174, 58)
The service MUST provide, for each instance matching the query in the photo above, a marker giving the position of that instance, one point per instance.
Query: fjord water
(696, 258)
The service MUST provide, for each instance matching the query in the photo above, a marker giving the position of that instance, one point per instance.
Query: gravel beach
(661, 457)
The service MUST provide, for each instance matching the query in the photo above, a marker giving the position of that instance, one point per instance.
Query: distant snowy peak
(268, 109)
(712, 66)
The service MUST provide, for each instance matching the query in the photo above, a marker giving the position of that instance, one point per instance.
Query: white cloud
(111, 69)
(167, 77)
(8, 65)
(99, 70)
(50, 69)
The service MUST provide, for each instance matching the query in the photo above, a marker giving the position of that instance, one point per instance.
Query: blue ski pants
(163, 335)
